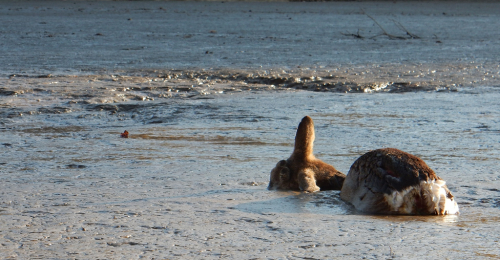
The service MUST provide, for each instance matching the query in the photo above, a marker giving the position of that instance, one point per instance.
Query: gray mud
(190, 181)
(73, 37)
(212, 103)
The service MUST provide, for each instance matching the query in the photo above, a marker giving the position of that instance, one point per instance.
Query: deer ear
(281, 163)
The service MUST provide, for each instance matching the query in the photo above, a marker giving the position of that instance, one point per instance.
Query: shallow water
(87, 36)
(190, 181)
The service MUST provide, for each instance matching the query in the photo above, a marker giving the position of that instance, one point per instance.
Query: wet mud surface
(212, 103)
(84, 36)
(191, 179)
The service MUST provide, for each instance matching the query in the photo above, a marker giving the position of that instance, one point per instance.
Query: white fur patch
(432, 194)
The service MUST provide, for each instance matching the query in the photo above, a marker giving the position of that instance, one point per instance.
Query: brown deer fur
(303, 171)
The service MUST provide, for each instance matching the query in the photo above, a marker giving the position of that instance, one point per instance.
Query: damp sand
(190, 181)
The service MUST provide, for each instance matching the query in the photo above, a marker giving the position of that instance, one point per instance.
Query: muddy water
(87, 36)
(212, 103)
(190, 181)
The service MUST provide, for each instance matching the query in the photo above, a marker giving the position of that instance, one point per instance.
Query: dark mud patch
(54, 110)
(173, 112)
(217, 139)
(122, 107)
(317, 80)
(8, 92)
(54, 130)
(76, 166)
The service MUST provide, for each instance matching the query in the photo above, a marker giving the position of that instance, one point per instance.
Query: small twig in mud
(437, 39)
(412, 36)
(357, 35)
(391, 36)
(391, 253)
